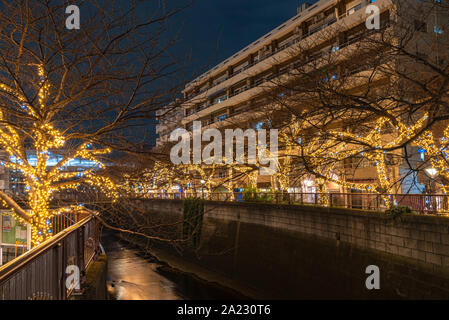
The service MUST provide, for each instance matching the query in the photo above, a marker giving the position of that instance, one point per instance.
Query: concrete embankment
(281, 251)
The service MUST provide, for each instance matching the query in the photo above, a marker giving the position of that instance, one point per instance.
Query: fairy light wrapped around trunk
(437, 151)
(325, 151)
(42, 181)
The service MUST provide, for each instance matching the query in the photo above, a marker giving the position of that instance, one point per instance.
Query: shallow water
(132, 275)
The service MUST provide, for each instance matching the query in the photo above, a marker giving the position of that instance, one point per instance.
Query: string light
(42, 182)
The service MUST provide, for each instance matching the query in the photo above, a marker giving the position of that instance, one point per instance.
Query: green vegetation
(396, 211)
(193, 220)
(251, 194)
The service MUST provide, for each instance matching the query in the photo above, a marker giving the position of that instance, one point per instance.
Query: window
(221, 99)
(422, 154)
(437, 30)
(259, 125)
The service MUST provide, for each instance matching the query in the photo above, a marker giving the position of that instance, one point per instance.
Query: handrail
(422, 203)
(11, 267)
(41, 273)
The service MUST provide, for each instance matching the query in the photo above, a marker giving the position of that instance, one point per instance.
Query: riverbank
(181, 266)
(134, 274)
(294, 252)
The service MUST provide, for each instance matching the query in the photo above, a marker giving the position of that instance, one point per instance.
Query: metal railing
(421, 203)
(40, 274)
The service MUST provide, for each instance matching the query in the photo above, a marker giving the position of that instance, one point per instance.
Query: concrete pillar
(341, 7)
(249, 82)
(250, 59)
(304, 28)
(229, 71)
(341, 38)
(274, 45)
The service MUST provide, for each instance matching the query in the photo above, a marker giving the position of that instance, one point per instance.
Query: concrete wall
(425, 238)
(307, 252)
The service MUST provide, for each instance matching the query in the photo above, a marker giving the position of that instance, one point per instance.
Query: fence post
(423, 204)
(348, 201)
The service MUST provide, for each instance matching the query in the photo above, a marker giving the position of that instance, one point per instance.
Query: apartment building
(232, 93)
(168, 119)
(231, 88)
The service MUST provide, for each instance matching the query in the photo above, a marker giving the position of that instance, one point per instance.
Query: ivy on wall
(193, 220)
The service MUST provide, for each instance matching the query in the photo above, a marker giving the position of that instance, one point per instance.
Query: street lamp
(432, 172)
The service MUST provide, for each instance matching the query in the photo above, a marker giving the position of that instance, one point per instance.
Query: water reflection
(131, 277)
(135, 276)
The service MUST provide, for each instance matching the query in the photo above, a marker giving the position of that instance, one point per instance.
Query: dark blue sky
(210, 31)
(215, 29)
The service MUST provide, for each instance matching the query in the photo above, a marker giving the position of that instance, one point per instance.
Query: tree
(78, 93)
(363, 95)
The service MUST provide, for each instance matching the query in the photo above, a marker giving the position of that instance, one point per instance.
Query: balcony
(318, 27)
(283, 71)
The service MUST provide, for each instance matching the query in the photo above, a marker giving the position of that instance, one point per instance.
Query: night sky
(210, 31)
(213, 30)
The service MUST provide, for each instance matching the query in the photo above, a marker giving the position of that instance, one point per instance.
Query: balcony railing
(269, 54)
(292, 66)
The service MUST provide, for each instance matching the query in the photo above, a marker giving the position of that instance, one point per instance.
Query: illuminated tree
(365, 95)
(42, 181)
(436, 146)
(77, 94)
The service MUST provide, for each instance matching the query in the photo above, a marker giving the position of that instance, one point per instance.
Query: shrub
(396, 211)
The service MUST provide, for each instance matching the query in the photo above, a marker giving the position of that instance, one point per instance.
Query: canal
(135, 275)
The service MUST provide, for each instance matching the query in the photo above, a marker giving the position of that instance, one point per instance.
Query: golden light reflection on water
(133, 278)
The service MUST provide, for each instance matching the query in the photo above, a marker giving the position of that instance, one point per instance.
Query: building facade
(229, 89)
(233, 93)
(168, 119)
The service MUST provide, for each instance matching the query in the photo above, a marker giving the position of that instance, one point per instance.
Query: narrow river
(132, 275)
